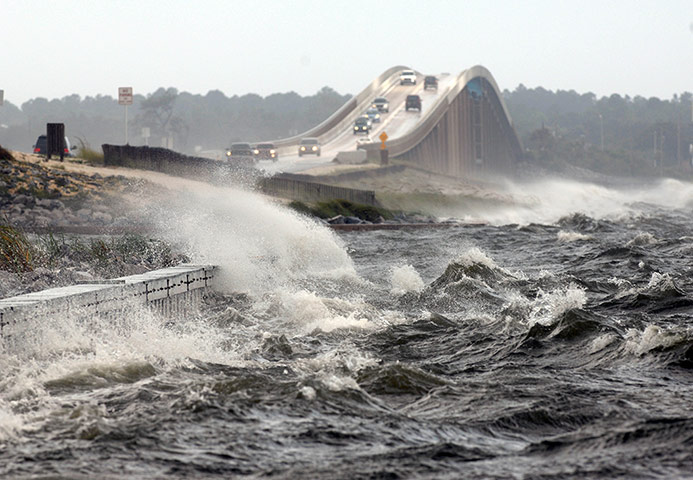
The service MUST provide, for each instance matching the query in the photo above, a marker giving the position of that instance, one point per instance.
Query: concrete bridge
(463, 129)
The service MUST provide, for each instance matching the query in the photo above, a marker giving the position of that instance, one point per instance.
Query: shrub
(332, 208)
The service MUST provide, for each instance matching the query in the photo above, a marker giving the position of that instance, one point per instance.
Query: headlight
(256, 152)
(315, 149)
(377, 115)
(228, 153)
(273, 151)
(356, 128)
(303, 149)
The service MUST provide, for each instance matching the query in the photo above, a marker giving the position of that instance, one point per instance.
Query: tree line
(186, 122)
(614, 134)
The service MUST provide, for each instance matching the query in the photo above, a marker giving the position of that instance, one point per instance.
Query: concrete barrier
(353, 157)
(169, 291)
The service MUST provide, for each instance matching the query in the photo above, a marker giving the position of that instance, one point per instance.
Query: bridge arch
(468, 133)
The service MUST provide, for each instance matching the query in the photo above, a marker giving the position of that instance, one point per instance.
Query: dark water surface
(552, 349)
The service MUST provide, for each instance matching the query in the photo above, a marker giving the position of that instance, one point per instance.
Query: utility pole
(601, 128)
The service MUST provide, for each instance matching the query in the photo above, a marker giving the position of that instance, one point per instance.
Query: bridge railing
(329, 127)
(406, 142)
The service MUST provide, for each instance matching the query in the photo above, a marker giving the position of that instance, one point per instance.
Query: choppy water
(555, 341)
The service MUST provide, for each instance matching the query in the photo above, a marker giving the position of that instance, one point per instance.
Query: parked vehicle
(381, 104)
(362, 125)
(265, 151)
(407, 77)
(373, 115)
(240, 152)
(413, 102)
(430, 82)
(309, 146)
(41, 146)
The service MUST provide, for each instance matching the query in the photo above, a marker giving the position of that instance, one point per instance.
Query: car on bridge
(362, 125)
(309, 146)
(240, 152)
(430, 82)
(381, 104)
(265, 151)
(362, 142)
(373, 114)
(413, 102)
(407, 77)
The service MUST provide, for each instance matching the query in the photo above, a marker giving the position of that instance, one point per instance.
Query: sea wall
(170, 291)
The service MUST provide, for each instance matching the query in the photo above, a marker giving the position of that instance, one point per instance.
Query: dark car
(240, 152)
(381, 104)
(309, 146)
(413, 102)
(266, 151)
(362, 125)
(430, 82)
(373, 114)
(41, 146)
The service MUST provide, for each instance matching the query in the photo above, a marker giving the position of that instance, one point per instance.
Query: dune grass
(17, 254)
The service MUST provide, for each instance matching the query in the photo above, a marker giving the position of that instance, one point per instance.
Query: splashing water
(258, 245)
(547, 201)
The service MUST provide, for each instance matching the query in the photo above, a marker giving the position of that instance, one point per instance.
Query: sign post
(125, 98)
(384, 158)
(2, 96)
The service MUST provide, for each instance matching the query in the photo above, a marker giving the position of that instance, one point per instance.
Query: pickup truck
(407, 77)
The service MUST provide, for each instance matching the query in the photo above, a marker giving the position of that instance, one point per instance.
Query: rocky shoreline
(72, 227)
(38, 195)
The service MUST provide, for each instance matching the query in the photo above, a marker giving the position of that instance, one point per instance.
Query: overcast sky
(56, 48)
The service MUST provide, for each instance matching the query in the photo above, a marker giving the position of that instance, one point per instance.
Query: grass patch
(332, 208)
(16, 252)
(88, 154)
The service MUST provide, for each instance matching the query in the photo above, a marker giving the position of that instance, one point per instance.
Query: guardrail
(341, 116)
(169, 291)
(398, 146)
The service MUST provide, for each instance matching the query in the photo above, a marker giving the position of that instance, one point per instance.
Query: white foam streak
(405, 279)
(569, 237)
(549, 306)
(475, 256)
(652, 337)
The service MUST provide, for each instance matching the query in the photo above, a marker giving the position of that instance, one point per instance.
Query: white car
(362, 142)
(407, 77)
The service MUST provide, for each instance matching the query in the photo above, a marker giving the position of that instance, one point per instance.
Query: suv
(413, 102)
(265, 151)
(381, 104)
(309, 145)
(240, 151)
(407, 76)
(41, 146)
(362, 125)
(430, 82)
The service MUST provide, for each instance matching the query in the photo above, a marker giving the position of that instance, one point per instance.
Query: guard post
(55, 140)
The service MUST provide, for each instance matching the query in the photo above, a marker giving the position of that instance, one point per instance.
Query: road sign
(383, 137)
(125, 95)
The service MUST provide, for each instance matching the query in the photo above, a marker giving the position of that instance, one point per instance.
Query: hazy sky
(56, 48)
